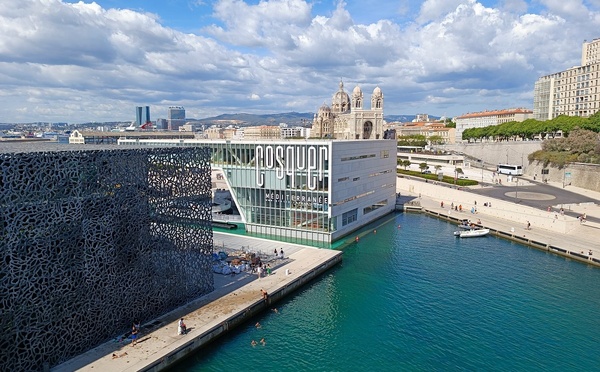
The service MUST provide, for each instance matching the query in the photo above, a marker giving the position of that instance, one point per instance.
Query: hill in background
(290, 118)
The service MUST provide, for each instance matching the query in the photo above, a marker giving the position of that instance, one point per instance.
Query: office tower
(142, 115)
(175, 117)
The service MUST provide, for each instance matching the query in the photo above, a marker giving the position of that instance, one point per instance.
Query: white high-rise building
(573, 92)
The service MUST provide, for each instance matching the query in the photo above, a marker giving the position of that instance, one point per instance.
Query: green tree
(436, 140)
(406, 164)
(423, 167)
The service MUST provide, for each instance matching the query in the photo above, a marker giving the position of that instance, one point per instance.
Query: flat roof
(45, 146)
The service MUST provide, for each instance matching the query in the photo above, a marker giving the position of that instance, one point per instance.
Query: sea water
(412, 297)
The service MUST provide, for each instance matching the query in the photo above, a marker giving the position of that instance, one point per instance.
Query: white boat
(472, 233)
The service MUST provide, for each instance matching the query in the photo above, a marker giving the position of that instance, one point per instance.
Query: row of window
(358, 157)
(354, 198)
(375, 206)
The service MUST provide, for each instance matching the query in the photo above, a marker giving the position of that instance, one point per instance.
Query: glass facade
(280, 188)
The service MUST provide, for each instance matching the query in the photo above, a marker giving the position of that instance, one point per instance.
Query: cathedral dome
(377, 91)
(356, 91)
(341, 101)
(324, 108)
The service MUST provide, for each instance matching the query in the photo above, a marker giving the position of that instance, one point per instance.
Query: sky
(75, 62)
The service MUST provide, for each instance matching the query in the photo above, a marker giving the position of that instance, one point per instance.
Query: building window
(375, 206)
(349, 217)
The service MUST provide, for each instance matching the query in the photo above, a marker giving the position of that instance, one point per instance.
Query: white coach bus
(513, 170)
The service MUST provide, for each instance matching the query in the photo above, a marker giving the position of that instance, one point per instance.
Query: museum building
(310, 191)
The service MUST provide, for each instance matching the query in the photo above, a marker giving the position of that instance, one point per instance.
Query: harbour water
(417, 298)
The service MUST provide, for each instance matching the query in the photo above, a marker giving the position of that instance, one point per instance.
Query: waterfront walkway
(550, 229)
(234, 300)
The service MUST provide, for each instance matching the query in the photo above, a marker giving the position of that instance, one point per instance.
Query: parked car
(427, 171)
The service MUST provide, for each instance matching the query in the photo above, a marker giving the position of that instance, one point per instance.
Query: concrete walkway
(234, 300)
(550, 229)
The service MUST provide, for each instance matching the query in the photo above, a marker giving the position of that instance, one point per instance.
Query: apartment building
(573, 92)
(487, 118)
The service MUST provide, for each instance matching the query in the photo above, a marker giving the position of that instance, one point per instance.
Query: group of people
(263, 270)
(262, 342)
(278, 255)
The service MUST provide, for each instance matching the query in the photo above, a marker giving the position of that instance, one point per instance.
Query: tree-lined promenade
(568, 139)
(531, 129)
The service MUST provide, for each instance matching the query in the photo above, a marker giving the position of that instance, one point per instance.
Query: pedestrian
(137, 325)
(181, 328)
(281, 253)
(268, 269)
(259, 270)
(265, 295)
(528, 225)
(275, 252)
(442, 204)
(134, 335)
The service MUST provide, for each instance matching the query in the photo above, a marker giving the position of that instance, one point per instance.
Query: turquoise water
(416, 298)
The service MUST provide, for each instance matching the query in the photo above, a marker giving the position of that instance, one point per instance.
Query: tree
(437, 168)
(436, 140)
(423, 167)
(406, 164)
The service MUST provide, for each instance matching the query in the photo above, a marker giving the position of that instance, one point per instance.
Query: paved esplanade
(552, 228)
(232, 295)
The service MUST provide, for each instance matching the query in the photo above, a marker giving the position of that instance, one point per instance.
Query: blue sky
(95, 61)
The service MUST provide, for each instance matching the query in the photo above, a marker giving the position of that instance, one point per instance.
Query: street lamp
(481, 160)
(516, 189)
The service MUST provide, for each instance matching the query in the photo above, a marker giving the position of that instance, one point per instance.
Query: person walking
(182, 329)
(134, 335)
(281, 254)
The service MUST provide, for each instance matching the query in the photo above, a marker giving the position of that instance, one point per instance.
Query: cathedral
(348, 119)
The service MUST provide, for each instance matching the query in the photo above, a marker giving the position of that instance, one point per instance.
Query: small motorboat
(473, 233)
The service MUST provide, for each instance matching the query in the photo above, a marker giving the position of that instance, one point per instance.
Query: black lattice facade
(91, 240)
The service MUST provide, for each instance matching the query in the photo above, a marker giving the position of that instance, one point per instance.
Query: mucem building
(309, 191)
(91, 240)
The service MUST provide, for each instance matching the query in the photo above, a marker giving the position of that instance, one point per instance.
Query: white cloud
(79, 62)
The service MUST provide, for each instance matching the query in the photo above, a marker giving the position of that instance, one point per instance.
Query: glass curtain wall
(282, 188)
